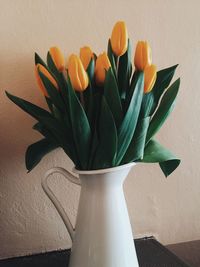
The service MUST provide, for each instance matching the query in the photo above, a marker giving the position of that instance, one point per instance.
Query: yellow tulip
(102, 64)
(77, 74)
(150, 74)
(142, 55)
(43, 70)
(58, 58)
(86, 55)
(119, 38)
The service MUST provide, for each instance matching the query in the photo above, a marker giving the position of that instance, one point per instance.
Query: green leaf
(135, 150)
(112, 97)
(130, 91)
(90, 70)
(52, 65)
(165, 108)
(155, 152)
(163, 80)
(107, 146)
(129, 123)
(89, 104)
(124, 71)
(112, 58)
(37, 151)
(80, 127)
(68, 145)
(38, 60)
(28, 107)
(43, 116)
(49, 103)
(60, 78)
(54, 93)
(151, 100)
(44, 131)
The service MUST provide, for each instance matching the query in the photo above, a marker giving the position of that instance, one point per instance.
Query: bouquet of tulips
(102, 111)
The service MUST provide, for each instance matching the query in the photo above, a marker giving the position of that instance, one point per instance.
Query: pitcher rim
(101, 171)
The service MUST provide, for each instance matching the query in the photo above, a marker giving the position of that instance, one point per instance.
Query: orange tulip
(102, 64)
(57, 58)
(142, 56)
(43, 70)
(77, 74)
(86, 55)
(150, 74)
(119, 38)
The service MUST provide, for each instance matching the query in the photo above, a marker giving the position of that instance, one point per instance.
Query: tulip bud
(77, 74)
(102, 64)
(43, 70)
(86, 55)
(57, 58)
(150, 75)
(142, 55)
(119, 38)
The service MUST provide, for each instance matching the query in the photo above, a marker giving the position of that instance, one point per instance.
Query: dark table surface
(188, 251)
(149, 251)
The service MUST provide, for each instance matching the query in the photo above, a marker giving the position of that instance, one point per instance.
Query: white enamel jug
(103, 235)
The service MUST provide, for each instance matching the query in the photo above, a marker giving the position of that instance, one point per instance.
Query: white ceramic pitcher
(103, 235)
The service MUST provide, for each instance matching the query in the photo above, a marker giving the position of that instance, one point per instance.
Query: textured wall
(167, 208)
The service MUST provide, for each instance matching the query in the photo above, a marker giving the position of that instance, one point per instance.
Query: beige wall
(167, 208)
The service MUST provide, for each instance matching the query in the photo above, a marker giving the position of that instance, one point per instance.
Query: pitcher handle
(54, 199)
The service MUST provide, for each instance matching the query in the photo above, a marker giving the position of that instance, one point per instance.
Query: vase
(102, 236)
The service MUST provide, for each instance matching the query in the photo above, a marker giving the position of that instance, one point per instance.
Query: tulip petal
(143, 56)
(86, 55)
(77, 74)
(58, 58)
(102, 64)
(119, 38)
(150, 75)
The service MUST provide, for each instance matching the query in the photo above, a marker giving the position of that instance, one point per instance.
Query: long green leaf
(90, 70)
(52, 65)
(155, 152)
(124, 71)
(67, 145)
(60, 78)
(88, 96)
(38, 60)
(52, 92)
(112, 58)
(80, 127)
(163, 80)
(165, 108)
(151, 100)
(54, 126)
(107, 146)
(130, 91)
(28, 107)
(37, 151)
(111, 94)
(135, 150)
(129, 123)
